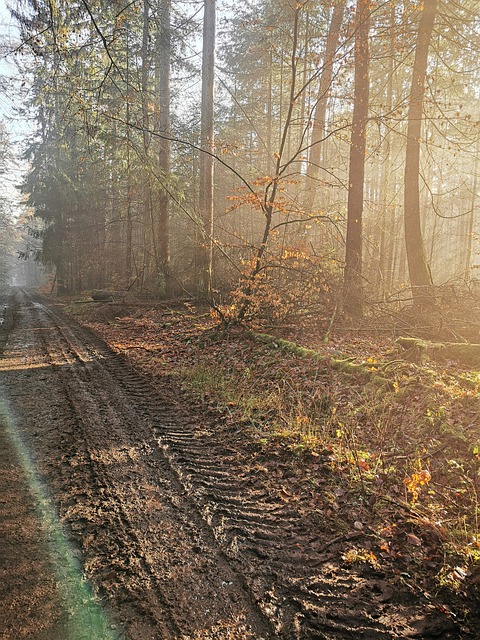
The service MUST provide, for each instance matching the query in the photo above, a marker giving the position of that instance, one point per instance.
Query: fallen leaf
(413, 539)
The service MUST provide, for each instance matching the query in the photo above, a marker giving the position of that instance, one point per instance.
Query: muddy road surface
(122, 516)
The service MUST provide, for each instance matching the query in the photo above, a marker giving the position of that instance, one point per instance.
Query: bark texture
(320, 112)
(164, 56)
(353, 286)
(418, 269)
(207, 143)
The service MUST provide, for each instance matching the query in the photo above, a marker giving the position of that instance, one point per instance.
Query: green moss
(345, 365)
(467, 353)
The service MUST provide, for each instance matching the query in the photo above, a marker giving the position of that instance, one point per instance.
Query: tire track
(103, 414)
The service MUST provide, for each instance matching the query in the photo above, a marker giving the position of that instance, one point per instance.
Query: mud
(125, 515)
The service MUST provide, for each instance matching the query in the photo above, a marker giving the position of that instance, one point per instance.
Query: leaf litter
(391, 474)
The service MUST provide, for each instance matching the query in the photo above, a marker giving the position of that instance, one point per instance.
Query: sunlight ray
(86, 618)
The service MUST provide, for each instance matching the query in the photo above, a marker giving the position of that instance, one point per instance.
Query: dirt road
(121, 516)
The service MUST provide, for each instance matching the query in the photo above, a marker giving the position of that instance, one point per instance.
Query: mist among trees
(269, 156)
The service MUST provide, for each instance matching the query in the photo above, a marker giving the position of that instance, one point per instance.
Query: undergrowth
(386, 446)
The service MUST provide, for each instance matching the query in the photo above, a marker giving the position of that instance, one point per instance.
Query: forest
(267, 210)
(268, 156)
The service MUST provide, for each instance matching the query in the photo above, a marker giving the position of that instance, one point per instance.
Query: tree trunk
(144, 76)
(472, 216)
(418, 269)
(352, 284)
(128, 220)
(207, 144)
(320, 113)
(149, 231)
(163, 61)
(269, 110)
(386, 220)
(395, 227)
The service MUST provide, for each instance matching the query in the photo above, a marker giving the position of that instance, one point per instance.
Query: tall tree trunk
(61, 262)
(128, 220)
(418, 269)
(320, 112)
(305, 93)
(269, 110)
(144, 76)
(149, 230)
(352, 284)
(114, 227)
(391, 240)
(163, 61)
(472, 216)
(207, 144)
(386, 220)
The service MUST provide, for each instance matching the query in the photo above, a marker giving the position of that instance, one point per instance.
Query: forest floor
(187, 482)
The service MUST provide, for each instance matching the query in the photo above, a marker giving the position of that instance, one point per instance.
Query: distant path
(181, 534)
(43, 593)
(78, 417)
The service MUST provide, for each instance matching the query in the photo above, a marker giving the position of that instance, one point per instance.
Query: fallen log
(102, 296)
(345, 365)
(465, 352)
